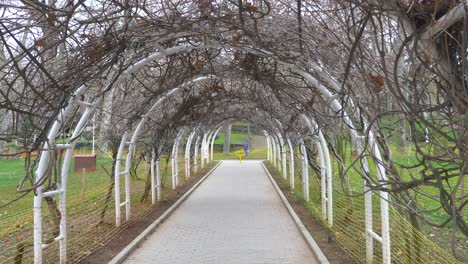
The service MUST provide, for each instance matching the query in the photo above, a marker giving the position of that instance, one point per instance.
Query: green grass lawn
(254, 154)
(236, 138)
(94, 184)
(11, 171)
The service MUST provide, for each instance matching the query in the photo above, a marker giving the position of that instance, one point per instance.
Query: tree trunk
(110, 188)
(147, 189)
(227, 140)
(105, 125)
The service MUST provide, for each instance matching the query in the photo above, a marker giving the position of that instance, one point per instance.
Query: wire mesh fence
(90, 211)
(408, 244)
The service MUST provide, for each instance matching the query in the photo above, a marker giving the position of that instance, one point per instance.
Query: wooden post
(83, 181)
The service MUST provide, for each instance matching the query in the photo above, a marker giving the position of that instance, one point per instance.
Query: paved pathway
(235, 216)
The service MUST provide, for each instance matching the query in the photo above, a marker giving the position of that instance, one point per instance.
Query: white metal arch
(283, 154)
(203, 149)
(175, 159)
(291, 163)
(207, 145)
(272, 148)
(155, 176)
(195, 155)
(278, 150)
(284, 159)
(304, 171)
(275, 149)
(43, 169)
(187, 153)
(212, 144)
(269, 145)
(325, 170)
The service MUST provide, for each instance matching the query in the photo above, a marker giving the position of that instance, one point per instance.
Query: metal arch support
(282, 149)
(87, 115)
(202, 149)
(329, 181)
(283, 155)
(207, 146)
(267, 138)
(158, 176)
(117, 175)
(155, 177)
(174, 161)
(275, 161)
(367, 209)
(304, 171)
(195, 155)
(278, 151)
(177, 160)
(272, 150)
(269, 148)
(291, 163)
(187, 153)
(128, 166)
(384, 214)
(323, 180)
(212, 143)
(325, 170)
(44, 164)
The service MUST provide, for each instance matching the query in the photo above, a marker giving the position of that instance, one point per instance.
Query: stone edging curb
(305, 233)
(119, 258)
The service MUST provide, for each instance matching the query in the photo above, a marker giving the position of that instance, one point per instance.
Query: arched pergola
(276, 136)
(170, 78)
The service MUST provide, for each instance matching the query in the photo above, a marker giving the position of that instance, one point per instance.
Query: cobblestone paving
(235, 216)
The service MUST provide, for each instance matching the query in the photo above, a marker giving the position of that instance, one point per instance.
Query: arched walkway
(234, 216)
